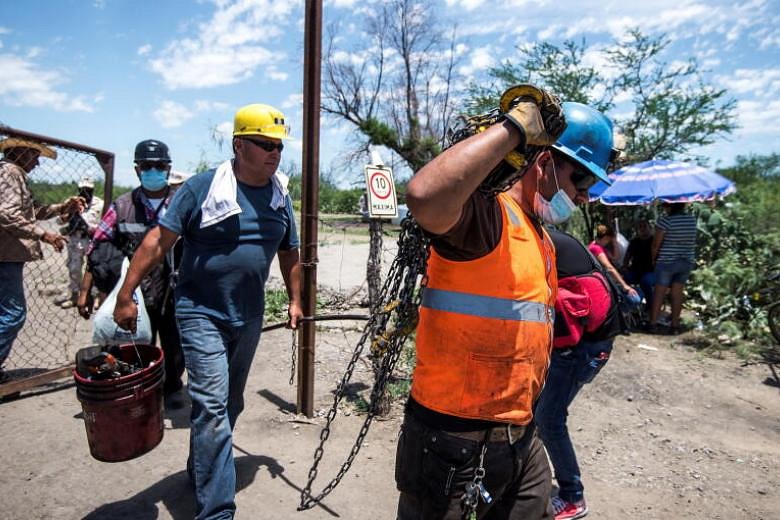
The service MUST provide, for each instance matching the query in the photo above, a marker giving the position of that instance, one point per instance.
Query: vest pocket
(497, 385)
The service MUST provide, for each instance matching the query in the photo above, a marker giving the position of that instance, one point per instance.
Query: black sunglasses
(268, 146)
(148, 165)
(583, 180)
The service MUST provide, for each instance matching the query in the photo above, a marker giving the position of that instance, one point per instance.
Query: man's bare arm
(289, 264)
(437, 193)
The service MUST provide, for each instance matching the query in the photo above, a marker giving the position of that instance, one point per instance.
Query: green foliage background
(738, 247)
(46, 193)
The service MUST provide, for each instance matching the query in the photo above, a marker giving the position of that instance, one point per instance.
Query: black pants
(433, 467)
(164, 329)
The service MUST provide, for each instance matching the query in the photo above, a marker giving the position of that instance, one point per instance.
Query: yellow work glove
(538, 115)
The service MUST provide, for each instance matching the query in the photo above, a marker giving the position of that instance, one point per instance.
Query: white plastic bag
(621, 249)
(105, 331)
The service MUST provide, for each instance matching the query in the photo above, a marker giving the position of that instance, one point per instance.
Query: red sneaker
(568, 510)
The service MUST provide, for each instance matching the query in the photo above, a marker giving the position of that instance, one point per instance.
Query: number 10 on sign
(381, 192)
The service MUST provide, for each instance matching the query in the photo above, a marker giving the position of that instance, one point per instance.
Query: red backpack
(582, 306)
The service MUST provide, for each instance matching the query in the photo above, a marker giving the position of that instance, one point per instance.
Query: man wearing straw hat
(20, 233)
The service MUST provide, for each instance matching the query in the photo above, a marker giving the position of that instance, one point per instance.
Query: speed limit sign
(381, 192)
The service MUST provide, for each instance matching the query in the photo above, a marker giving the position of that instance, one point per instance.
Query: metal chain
(294, 348)
(475, 489)
(387, 330)
(504, 175)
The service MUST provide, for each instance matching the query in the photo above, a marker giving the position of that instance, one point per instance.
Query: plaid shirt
(107, 227)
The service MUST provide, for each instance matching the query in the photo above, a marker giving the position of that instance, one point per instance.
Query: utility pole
(310, 193)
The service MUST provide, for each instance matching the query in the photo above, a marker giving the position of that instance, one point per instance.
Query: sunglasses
(583, 180)
(268, 146)
(143, 166)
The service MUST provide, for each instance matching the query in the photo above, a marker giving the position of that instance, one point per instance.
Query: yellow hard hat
(13, 142)
(258, 119)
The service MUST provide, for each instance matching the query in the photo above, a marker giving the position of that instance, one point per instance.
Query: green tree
(560, 69)
(738, 246)
(395, 86)
(671, 109)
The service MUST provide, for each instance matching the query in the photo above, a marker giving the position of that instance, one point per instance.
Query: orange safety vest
(485, 330)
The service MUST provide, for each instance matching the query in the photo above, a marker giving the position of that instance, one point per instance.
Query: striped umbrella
(668, 181)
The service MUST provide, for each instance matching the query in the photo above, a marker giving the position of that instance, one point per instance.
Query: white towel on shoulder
(280, 182)
(221, 200)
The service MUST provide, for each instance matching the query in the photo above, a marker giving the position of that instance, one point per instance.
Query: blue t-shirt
(225, 266)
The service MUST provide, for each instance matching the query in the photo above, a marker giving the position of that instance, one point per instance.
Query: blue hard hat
(587, 139)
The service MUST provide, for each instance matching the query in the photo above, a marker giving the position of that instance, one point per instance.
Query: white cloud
(34, 52)
(759, 82)
(143, 50)
(341, 3)
(228, 48)
(26, 84)
(758, 117)
(277, 75)
(172, 115)
(294, 101)
(225, 129)
(480, 59)
(468, 5)
(203, 105)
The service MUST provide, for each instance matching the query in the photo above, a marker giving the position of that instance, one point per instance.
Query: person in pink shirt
(603, 249)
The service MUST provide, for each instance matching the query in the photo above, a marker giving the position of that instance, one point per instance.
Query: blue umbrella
(667, 181)
(597, 189)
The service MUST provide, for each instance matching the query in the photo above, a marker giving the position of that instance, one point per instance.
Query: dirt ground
(663, 433)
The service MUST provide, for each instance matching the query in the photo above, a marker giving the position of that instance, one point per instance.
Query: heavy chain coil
(386, 331)
(504, 175)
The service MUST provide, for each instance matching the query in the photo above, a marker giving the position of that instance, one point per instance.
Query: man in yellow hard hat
(20, 233)
(234, 220)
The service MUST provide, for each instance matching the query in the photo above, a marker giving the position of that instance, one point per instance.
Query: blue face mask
(556, 211)
(154, 179)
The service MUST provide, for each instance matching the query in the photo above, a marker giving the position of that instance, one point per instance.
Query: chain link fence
(53, 330)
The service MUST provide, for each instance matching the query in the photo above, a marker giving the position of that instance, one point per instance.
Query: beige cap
(86, 182)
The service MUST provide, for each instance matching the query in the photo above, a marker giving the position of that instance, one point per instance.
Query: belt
(510, 433)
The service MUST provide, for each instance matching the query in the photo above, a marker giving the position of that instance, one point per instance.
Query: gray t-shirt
(225, 266)
(679, 242)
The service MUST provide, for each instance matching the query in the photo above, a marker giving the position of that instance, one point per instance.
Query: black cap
(151, 150)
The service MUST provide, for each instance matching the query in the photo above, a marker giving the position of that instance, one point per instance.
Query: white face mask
(557, 210)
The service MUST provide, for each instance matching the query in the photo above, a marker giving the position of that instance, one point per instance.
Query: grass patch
(275, 305)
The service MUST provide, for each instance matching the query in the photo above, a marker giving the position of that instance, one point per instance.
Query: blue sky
(109, 73)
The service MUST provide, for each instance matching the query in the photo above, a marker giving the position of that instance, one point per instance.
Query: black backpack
(104, 262)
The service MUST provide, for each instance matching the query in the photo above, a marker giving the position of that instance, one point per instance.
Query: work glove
(538, 115)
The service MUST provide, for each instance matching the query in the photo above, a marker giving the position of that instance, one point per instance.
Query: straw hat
(14, 142)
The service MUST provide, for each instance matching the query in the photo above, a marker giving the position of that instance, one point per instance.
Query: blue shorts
(668, 272)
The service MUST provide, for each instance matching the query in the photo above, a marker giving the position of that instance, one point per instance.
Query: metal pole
(310, 191)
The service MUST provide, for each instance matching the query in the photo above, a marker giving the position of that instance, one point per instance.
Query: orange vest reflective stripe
(485, 329)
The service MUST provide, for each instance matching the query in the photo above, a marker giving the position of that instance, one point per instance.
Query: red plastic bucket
(123, 416)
